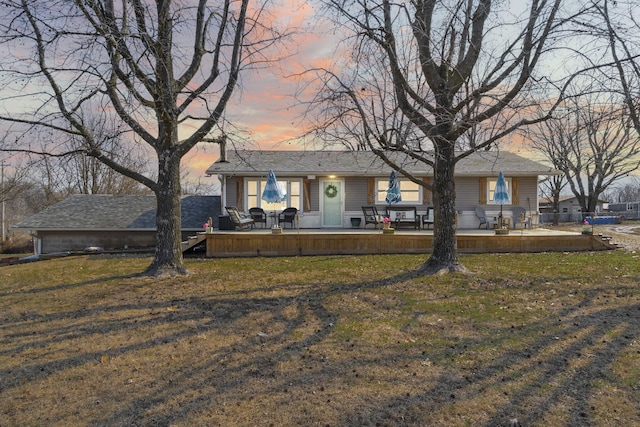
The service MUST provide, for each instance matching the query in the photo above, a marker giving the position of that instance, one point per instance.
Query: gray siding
(231, 193)
(315, 195)
(355, 193)
(62, 241)
(468, 193)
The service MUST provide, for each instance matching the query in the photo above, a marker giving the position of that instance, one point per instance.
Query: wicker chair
(288, 215)
(259, 216)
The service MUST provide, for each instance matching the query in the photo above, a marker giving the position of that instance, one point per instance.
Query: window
(410, 191)
(293, 188)
(491, 190)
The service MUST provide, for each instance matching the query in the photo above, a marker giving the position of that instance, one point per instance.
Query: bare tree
(13, 183)
(436, 81)
(551, 189)
(594, 145)
(167, 69)
(627, 191)
(615, 23)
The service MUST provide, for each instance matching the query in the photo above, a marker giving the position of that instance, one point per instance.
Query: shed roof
(117, 212)
(366, 163)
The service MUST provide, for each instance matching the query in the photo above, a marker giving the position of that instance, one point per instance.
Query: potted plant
(355, 222)
(208, 226)
(386, 226)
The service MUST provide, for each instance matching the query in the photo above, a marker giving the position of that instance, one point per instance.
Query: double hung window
(255, 187)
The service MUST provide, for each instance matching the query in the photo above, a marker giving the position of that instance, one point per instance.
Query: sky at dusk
(264, 112)
(264, 109)
(265, 105)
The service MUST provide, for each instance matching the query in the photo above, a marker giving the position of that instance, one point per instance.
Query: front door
(332, 202)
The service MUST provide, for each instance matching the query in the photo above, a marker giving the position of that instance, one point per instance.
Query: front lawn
(551, 339)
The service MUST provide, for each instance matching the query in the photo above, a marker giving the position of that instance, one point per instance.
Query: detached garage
(111, 222)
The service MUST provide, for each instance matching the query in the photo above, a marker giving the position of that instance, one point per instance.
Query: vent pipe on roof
(223, 147)
(222, 142)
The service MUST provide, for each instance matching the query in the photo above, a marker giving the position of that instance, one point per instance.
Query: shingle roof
(365, 163)
(118, 212)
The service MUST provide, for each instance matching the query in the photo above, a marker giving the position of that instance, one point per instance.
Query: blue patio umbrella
(272, 192)
(501, 193)
(393, 192)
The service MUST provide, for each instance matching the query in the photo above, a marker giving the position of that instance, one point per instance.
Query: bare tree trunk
(168, 256)
(444, 256)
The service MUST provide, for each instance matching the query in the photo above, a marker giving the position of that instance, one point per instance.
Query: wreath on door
(331, 191)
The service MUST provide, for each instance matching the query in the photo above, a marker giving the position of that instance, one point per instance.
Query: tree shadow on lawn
(285, 358)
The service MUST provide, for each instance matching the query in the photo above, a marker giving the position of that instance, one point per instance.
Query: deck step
(192, 241)
(607, 241)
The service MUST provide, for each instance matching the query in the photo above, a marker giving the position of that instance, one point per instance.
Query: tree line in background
(434, 80)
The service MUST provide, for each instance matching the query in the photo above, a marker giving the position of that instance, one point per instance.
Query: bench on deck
(404, 215)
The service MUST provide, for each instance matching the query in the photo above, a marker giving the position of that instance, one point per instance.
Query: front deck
(293, 242)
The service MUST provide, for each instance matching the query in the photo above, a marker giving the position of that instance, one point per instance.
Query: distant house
(569, 209)
(330, 187)
(627, 210)
(111, 222)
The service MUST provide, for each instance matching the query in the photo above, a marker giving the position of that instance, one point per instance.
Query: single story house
(330, 187)
(111, 222)
(627, 210)
(568, 207)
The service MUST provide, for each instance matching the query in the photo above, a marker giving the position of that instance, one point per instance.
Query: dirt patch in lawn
(625, 235)
(547, 339)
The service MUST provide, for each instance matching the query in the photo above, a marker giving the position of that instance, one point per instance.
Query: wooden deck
(360, 242)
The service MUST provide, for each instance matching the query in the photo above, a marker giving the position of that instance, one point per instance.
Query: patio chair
(259, 216)
(371, 216)
(239, 219)
(520, 217)
(482, 216)
(288, 215)
(427, 220)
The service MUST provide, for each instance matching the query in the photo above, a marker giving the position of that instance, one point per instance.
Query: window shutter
(307, 195)
(515, 191)
(483, 191)
(240, 194)
(371, 191)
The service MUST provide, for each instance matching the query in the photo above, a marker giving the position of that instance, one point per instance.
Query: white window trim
(402, 202)
(262, 203)
(493, 180)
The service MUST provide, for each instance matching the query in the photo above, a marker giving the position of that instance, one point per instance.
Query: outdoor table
(273, 216)
(506, 222)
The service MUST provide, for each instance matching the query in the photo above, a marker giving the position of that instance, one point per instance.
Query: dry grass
(549, 339)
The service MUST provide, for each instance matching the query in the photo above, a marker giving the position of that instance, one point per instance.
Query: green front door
(332, 203)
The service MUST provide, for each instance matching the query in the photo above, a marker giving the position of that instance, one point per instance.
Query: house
(625, 210)
(568, 207)
(111, 222)
(330, 187)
